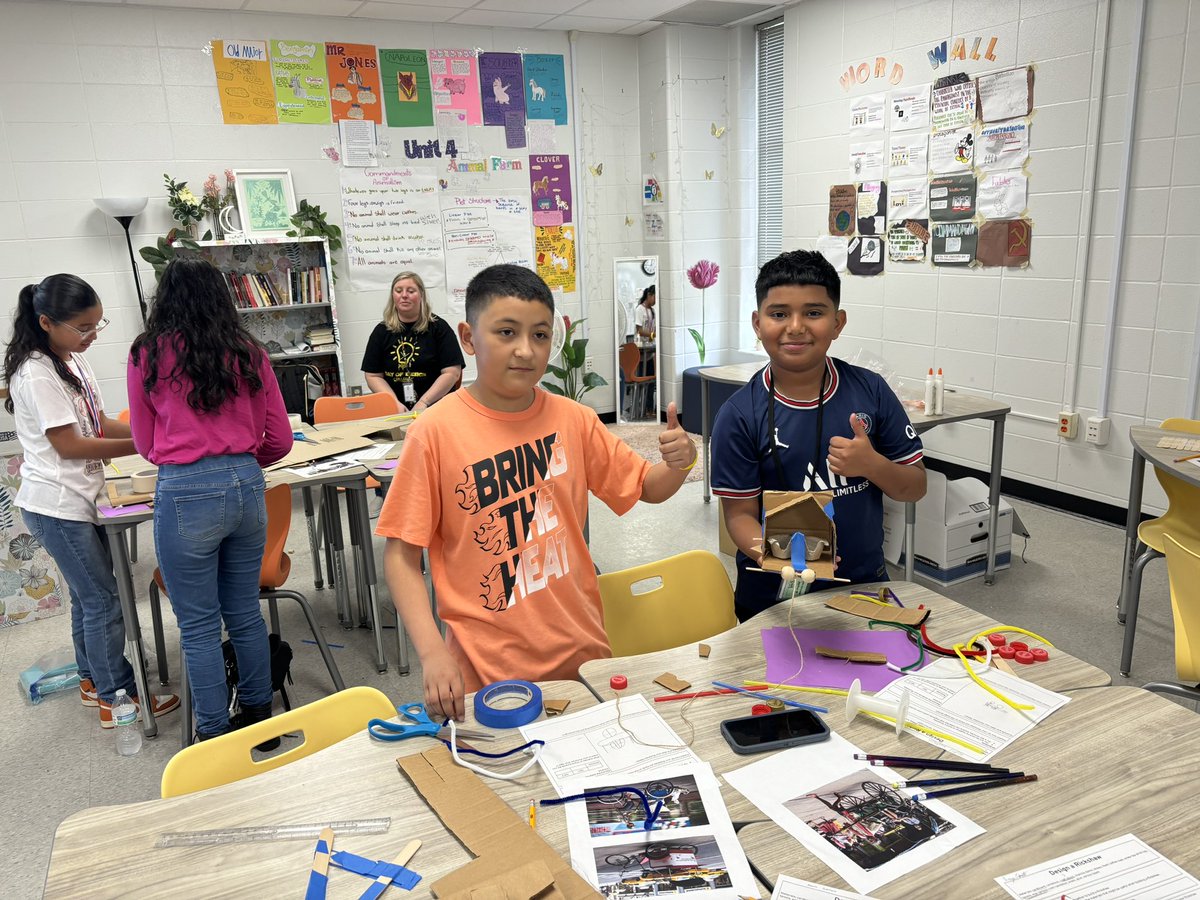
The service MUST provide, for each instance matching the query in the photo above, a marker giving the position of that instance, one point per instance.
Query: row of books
(320, 337)
(253, 290)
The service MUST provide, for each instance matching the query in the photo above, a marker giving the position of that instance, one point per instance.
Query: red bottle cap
(997, 640)
(1006, 652)
(618, 682)
(759, 709)
(1039, 655)
(1024, 657)
(1019, 645)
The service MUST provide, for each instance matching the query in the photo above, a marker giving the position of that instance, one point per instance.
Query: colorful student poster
(1002, 195)
(1006, 95)
(481, 229)
(550, 189)
(866, 160)
(1005, 243)
(954, 243)
(545, 87)
(500, 86)
(872, 207)
(908, 198)
(953, 102)
(952, 151)
(843, 202)
(864, 255)
(909, 108)
(951, 197)
(867, 113)
(407, 92)
(354, 76)
(454, 75)
(1003, 146)
(908, 155)
(301, 82)
(554, 252)
(834, 250)
(907, 240)
(244, 87)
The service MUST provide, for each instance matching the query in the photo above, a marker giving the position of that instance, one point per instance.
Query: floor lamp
(123, 209)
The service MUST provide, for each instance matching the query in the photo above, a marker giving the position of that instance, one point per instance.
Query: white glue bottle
(929, 393)
(939, 393)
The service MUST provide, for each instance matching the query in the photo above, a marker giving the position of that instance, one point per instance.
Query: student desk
(737, 655)
(1144, 439)
(959, 407)
(108, 851)
(1111, 762)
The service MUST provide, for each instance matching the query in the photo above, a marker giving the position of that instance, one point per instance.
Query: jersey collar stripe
(737, 495)
(910, 459)
(806, 404)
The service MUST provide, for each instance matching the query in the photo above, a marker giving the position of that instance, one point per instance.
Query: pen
(532, 815)
(961, 779)
(1187, 458)
(791, 703)
(925, 795)
(913, 762)
(694, 694)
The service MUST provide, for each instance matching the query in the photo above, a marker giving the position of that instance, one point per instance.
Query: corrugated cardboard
(868, 610)
(322, 444)
(786, 512)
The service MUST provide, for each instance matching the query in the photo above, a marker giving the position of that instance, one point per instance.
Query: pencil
(925, 795)
(960, 779)
(1187, 458)
(914, 762)
(533, 815)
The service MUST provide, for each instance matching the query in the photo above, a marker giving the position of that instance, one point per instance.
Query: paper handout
(1122, 867)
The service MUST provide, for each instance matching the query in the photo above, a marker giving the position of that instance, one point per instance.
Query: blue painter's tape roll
(508, 704)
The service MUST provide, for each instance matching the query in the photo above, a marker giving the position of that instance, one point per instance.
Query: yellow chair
(1182, 519)
(688, 598)
(227, 758)
(1183, 571)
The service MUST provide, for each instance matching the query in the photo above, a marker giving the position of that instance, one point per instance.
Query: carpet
(643, 438)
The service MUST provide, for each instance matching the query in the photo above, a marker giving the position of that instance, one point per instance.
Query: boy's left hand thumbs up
(851, 457)
(677, 449)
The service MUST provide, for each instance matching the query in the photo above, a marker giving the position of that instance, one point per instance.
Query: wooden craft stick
(858, 656)
(318, 878)
(381, 883)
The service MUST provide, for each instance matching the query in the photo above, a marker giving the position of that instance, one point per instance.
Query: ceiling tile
(497, 19)
(639, 10)
(395, 11)
(549, 7)
(589, 23)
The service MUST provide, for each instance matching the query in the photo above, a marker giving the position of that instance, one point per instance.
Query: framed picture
(266, 201)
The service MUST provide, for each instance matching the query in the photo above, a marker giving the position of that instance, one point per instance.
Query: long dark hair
(194, 315)
(57, 297)
(646, 294)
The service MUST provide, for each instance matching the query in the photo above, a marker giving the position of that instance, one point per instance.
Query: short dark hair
(505, 280)
(798, 267)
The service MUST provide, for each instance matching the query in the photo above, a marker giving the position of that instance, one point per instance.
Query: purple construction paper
(112, 512)
(501, 86)
(390, 464)
(550, 188)
(783, 659)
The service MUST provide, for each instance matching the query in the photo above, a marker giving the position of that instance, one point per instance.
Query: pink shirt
(167, 430)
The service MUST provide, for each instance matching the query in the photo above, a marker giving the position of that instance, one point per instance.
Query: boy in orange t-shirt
(494, 480)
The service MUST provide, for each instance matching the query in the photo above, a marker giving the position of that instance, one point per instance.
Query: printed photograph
(649, 869)
(866, 819)
(622, 811)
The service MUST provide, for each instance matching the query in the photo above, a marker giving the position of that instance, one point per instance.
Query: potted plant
(310, 221)
(575, 381)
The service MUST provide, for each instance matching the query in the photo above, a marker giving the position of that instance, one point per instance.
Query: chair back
(677, 600)
(629, 356)
(227, 758)
(347, 409)
(1191, 426)
(276, 565)
(1183, 571)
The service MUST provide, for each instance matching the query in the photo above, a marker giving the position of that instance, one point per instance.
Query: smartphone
(774, 731)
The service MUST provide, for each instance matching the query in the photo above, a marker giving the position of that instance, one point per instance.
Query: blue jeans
(210, 529)
(97, 627)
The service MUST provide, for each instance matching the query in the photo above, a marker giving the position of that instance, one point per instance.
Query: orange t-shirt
(500, 500)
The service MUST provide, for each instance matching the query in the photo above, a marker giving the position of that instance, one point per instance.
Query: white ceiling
(607, 16)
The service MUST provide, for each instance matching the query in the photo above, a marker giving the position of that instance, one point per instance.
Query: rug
(643, 438)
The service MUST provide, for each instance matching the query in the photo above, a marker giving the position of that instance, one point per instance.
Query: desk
(108, 851)
(737, 654)
(1141, 751)
(958, 407)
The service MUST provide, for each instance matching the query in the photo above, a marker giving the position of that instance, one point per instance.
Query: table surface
(108, 851)
(1140, 751)
(1145, 439)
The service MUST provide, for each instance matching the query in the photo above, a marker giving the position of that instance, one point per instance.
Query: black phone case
(797, 741)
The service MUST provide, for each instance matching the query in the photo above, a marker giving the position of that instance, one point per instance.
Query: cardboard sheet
(869, 610)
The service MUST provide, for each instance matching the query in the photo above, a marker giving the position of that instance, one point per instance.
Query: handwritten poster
(951, 197)
(908, 155)
(954, 243)
(301, 83)
(834, 250)
(545, 87)
(391, 224)
(554, 248)
(952, 151)
(866, 160)
(500, 86)
(354, 74)
(1003, 194)
(843, 201)
(908, 198)
(907, 240)
(953, 102)
(867, 113)
(1006, 95)
(550, 189)
(454, 75)
(407, 93)
(480, 230)
(864, 256)
(908, 109)
(1003, 146)
(243, 72)
(872, 207)
(1005, 243)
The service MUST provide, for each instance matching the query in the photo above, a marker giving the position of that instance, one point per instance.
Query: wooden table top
(1111, 762)
(108, 851)
(1145, 443)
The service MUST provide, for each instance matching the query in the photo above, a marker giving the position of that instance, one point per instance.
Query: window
(770, 140)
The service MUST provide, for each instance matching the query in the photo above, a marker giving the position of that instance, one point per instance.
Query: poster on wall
(1003, 146)
(545, 87)
(1006, 95)
(653, 226)
(554, 250)
(908, 109)
(952, 151)
(872, 207)
(953, 101)
(866, 160)
(843, 207)
(407, 90)
(907, 240)
(834, 250)
(867, 113)
(550, 188)
(908, 155)
(452, 126)
(954, 243)
(454, 76)
(1005, 243)
(354, 76)
(864, 256)
(1002, 195)
(951, 197)
(390, 224)
(500, 87)
(908, 198)
(301, 82)
(480, 230)
(652, 193)
(243, 71)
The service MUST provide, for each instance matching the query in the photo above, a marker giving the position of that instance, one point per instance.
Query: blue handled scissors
(301, 436)
(417, 723)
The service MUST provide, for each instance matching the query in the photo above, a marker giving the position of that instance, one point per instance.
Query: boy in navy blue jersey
(808, 422)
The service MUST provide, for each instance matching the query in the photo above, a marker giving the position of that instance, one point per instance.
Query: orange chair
(348, 409)
(123, 415)
(630, 357)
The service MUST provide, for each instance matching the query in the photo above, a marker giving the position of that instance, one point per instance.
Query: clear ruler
(249, 834)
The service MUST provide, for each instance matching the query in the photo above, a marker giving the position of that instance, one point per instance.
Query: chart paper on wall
(545, 87)
(866, 160)
(872, 207)
(951, 152)
(1006, 95)
(500, 86)
(301, 82)
(834, 250)
(908, 198)
(1005, 243)
(454, 76)
(954, 244)
(867, 113)
(355, 91)
(907, 240)
(479, 231)
(1002, 195)
(243, 73)
(550, 188)
(908, 109)
(1003, 146)
(843, 208)
(908, 155)
(864, 255)
(407, 91)
(951, 197)
(953, 102)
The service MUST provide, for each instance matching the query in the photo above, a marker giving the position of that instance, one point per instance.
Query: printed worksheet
(787, 888)
(1123, 867)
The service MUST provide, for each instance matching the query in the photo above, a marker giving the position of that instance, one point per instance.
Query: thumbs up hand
(852, 457)
(677, 449)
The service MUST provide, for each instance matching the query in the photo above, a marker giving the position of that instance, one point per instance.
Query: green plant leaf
(558, 372)
(592, 380)
(554, 388)
(699, 339)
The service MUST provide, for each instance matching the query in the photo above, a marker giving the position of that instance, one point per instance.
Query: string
(638, 740)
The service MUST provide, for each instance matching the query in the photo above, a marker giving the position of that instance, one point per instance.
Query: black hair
(505, 280)
(647, 292)
(58, 298)
(195, 315)
(798, 267)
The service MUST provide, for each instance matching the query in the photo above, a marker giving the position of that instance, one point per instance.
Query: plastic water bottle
(125, 717)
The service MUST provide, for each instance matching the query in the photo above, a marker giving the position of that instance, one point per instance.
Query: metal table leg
(704, 402)
(356, 496)
(133, 633)
(910, 539)
(1137, 477)
(989, 575)
(314, 545)
(332, 517)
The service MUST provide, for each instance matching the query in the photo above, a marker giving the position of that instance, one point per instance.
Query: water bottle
(125, 718)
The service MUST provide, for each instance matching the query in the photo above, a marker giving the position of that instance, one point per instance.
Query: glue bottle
(929, 393)
(939, 393)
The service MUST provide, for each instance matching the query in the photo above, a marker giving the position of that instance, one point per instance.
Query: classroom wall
(1010, 334)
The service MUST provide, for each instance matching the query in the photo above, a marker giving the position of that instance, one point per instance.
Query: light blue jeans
(210, 528)
(80, 549)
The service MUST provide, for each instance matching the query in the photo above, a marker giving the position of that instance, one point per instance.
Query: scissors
(301, 436)
(417, 723)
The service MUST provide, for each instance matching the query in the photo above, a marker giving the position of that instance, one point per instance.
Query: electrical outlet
(1068, 425)
(1097, 430)
(589, 365)
(356, 390)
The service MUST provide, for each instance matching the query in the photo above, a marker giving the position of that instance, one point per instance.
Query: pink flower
(210, 186)
(703, 274)
(229, 177)
(567, 321)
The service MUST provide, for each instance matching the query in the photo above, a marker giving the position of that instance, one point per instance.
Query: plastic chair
(1183, 572)
(1182, 519)
(692, 601)
(227, 758)
(630, 357)
(348, 409)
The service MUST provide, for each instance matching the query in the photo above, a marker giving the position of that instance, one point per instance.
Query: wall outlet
(356, 390)
(589, 365)
(1097, 430)
(1068, 425)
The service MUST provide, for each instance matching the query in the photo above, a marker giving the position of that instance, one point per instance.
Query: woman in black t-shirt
(412, 354)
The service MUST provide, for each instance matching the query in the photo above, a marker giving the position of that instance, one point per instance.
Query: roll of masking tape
(143, 482)
(297, 421)
(508, 704)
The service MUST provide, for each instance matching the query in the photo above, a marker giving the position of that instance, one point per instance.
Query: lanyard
(774, 450)
(89, 400)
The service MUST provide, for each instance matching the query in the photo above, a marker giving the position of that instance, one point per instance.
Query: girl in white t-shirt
(66, 436)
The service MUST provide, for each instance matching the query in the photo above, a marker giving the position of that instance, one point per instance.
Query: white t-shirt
(643, 317)
(51, 485)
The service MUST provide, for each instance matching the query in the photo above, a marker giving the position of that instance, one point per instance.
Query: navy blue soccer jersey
(743, 467)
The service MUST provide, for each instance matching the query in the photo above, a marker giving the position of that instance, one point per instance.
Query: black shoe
(199, 736)
(248, 715)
